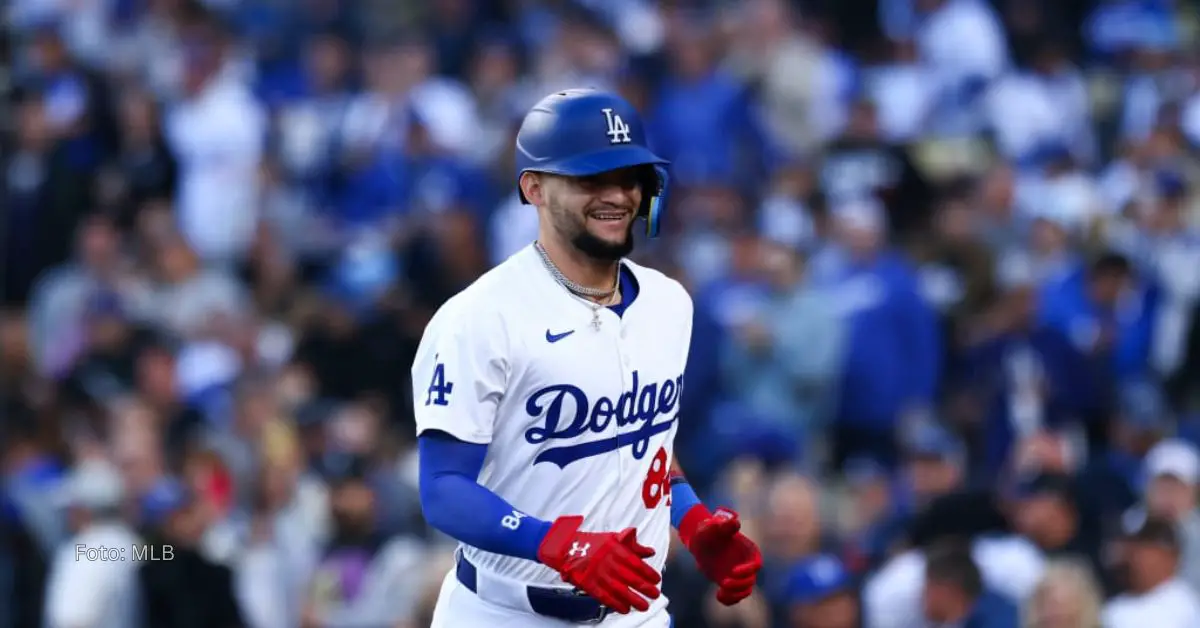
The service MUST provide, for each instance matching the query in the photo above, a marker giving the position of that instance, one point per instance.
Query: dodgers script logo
(638, 405)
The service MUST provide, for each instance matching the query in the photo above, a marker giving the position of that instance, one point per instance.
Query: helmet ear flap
(650, 180)
(654, 199)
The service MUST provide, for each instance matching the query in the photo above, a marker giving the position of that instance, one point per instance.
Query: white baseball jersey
(578, 420)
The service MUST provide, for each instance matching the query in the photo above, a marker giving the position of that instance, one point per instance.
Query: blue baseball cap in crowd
(1057, 485)
(165, 498)
(1143, 405)
(1170, 184)
(44, 26)
(1048, 154)
(9, 511)
(316, 413)
(933, 441)
(340, 467)
(815, 579)
(739, 432)
(104, 304)
(770, 444)
(863, 470)
(365, 272)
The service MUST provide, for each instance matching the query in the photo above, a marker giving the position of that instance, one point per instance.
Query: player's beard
(573, 227)
(600, 249)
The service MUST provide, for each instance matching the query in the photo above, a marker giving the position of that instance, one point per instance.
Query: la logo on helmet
(618, 131)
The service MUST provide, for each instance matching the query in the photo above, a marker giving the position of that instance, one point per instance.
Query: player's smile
(611, 223)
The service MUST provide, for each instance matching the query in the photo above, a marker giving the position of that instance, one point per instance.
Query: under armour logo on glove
(579, 550)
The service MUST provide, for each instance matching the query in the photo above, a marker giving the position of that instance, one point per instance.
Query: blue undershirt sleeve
(455, 503)
(683, 499)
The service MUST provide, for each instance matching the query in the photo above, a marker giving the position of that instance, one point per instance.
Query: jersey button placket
(619, 345)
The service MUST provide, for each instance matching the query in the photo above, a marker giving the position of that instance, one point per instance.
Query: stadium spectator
(1172, 470)
(955, 593)
(1154, 592)
(1067, 597)
(821, 595)
(85, 592)
(190, 589)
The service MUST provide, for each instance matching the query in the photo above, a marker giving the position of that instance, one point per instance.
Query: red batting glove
(725, 555)
(609, 566)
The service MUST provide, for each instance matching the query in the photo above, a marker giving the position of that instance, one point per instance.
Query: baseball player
(547, 395)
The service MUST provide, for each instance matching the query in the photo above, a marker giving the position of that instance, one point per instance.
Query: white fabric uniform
(1172, 604)
(578, 420)
(1011, 567)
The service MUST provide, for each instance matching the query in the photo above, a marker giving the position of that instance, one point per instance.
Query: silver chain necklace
(582, 292)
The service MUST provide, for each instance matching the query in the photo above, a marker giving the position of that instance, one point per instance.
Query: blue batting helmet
(582, 132)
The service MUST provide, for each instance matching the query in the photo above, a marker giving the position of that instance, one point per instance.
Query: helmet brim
(593, 163)
(588, 164)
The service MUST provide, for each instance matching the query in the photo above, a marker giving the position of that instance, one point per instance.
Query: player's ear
(531, 187)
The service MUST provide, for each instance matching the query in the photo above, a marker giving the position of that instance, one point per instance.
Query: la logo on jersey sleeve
(458, 380)
(439, 390)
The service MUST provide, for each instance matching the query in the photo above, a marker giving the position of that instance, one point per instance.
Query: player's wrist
(538, 530)
(687, 511)
(690, 522)
(557, 538)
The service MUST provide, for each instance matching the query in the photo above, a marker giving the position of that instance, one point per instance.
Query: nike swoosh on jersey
(552, 338)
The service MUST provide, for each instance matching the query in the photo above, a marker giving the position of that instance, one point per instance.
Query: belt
(570, 605)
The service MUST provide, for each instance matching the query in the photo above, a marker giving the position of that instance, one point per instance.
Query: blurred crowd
(946, 359)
